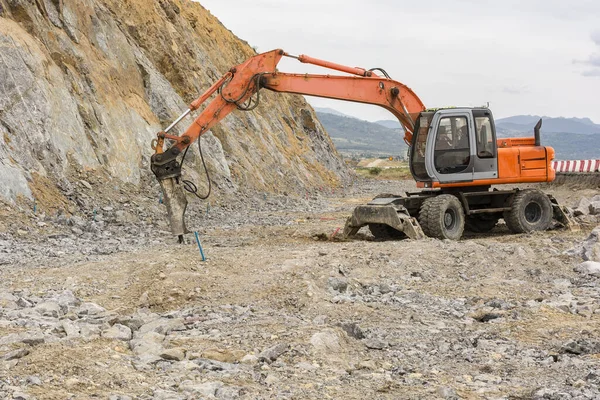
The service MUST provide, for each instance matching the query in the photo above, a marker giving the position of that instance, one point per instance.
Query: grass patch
(396, 173)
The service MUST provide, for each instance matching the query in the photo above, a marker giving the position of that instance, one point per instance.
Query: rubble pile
(108, 308)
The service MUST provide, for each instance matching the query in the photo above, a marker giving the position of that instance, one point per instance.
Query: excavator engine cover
(383, 211)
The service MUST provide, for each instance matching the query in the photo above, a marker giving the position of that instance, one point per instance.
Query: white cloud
(593, 60)
(596, 37)
(592, 72)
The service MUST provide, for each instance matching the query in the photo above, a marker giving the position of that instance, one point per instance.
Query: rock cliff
(86, 84)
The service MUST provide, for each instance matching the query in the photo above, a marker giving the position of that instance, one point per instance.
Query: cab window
(451, 153)
(485, 134)
(418, 147)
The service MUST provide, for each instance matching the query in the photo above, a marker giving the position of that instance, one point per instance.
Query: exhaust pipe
(536, 131)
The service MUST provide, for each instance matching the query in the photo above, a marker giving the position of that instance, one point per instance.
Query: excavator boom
(242, 82)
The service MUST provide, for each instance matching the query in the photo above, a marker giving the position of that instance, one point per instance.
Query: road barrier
(576, 166)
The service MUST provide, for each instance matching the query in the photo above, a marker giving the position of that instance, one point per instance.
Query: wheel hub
(533, 212)
(449, 219)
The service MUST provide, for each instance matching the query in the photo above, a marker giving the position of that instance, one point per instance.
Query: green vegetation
(394, 174)
(354, 137)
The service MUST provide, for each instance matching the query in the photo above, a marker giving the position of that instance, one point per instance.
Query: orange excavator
(455, 156)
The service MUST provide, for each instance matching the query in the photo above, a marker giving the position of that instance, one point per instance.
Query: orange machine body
(519, 161)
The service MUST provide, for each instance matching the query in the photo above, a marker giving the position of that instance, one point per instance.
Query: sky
(538, 57)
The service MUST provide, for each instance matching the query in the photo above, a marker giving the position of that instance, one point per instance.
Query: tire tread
(431, 214)
(512, 217)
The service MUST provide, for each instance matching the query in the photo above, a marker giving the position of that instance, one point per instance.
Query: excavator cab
(455, 145)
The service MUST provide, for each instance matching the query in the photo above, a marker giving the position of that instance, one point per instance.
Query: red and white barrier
(577, 166)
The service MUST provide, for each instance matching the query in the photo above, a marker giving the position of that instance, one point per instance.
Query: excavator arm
(389, 94)
(239, 88)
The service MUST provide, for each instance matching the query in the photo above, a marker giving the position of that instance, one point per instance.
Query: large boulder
(591, 246)
(589, 249)
(582, 207)
(594, 207)
(589, 268)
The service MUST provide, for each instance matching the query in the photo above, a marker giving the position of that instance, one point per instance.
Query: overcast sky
(522, 56)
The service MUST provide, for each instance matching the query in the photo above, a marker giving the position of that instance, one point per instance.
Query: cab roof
(455, 108)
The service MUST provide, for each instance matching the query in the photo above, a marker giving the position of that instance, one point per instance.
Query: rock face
(87, 84)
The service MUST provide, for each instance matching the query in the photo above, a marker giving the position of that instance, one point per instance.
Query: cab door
(486, 151)
(450, 154)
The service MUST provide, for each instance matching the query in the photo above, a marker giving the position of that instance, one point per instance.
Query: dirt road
(282, 310)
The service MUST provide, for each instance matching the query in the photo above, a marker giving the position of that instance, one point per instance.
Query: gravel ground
(106, 305)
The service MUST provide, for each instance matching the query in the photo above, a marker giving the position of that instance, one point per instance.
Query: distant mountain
(326, 110)
(586, 121)
(571, 138)
(572, 146)
(352, 136)
(390, 123)
(525, 123)
(520, 120)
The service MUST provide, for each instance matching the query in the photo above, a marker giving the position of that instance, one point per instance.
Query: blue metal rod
(200, 246)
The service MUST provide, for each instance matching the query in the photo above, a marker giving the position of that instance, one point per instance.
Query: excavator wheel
(442, 217)
(480, 223)
(382, 231)
(531, 210)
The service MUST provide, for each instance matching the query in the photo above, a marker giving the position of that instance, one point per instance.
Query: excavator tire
(531, 210)
(480, 223)
(442, 217)
(382, 231)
